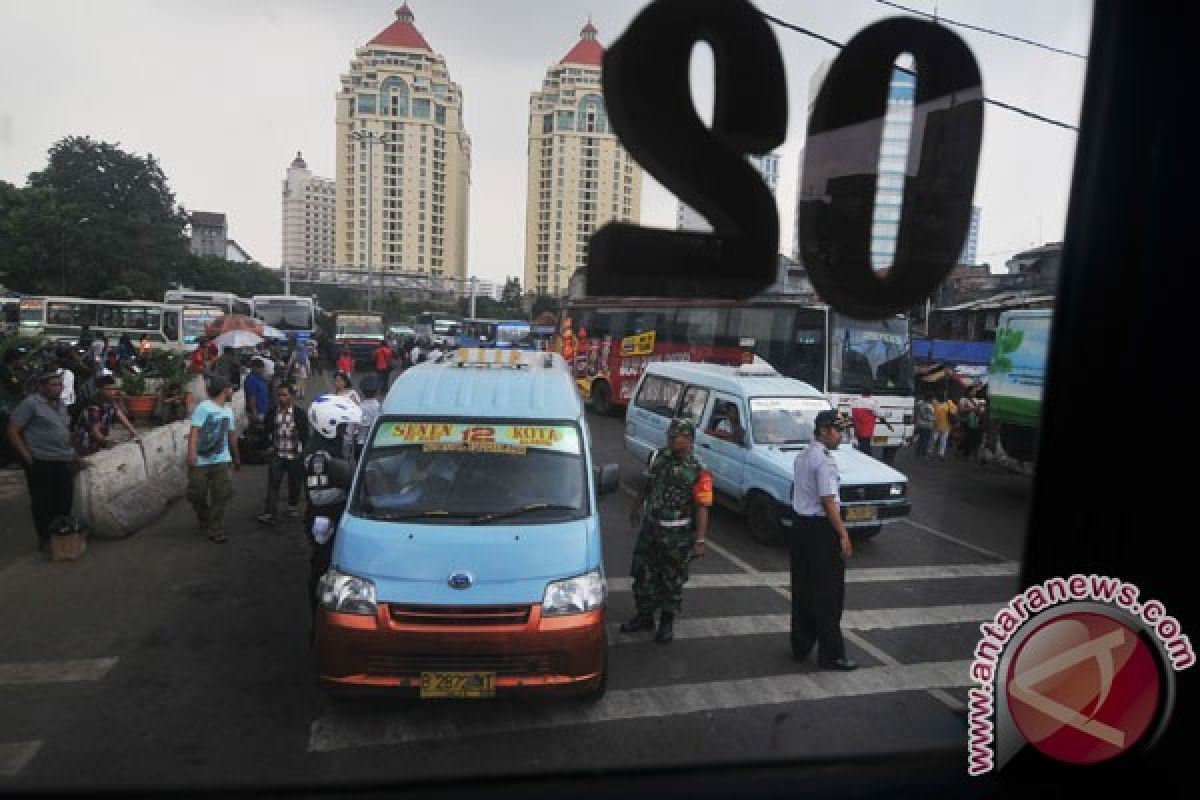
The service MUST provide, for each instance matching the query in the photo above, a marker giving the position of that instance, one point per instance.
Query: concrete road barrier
(115, 494)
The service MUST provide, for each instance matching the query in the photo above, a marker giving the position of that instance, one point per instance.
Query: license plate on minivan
(458, 685)
(860, 514)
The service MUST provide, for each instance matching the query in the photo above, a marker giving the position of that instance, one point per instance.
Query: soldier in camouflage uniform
(673, 513)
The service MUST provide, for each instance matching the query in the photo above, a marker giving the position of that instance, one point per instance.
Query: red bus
(609, 341)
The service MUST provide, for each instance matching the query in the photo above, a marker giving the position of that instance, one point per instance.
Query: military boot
(666, 628)
(639, 622)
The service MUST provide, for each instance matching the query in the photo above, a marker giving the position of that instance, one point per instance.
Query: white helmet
(328, 411)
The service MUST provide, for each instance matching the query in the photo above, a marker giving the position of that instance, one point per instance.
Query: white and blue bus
(288, 314)
(228, 302)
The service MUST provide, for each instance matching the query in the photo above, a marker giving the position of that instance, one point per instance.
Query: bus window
(699, 326)
(170, 326)
(650, 319)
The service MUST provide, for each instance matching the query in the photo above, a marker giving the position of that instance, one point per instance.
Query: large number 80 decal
(648, 95)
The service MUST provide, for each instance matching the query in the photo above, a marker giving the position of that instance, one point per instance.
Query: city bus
(477, 333)
(195, 320)
(514, 334)
(439, 326)
(228, 302)
(64, 318)
(10, 315)
(288, 314)
(610, 341)
(360, 332)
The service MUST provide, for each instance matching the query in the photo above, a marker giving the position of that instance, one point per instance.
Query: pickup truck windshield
(784, 420)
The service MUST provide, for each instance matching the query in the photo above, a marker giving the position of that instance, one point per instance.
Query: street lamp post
(371, 138)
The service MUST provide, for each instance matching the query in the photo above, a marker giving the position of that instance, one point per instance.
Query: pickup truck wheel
(601, 398)
(762, 518)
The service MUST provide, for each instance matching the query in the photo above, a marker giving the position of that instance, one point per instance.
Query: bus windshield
(871, 355)
(360, 326)
(512, 335)
(286, 315)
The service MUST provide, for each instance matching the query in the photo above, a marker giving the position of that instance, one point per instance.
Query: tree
(510, 297)
(544, 302)
(94, 219)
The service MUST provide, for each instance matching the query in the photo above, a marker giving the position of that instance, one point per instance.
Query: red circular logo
(1083, 688)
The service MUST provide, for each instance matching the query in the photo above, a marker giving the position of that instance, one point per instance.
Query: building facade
(688, 219)
(403, 160)
(970, 251)
(580, 178)
(308, 218)
(210, 233)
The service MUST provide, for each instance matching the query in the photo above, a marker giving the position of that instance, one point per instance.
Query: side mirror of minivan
(607, 479)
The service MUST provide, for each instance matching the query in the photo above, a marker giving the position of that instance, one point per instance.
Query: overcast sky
(225, 92)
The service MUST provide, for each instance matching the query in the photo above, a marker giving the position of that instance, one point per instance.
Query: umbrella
(233, 322)
(238, 339)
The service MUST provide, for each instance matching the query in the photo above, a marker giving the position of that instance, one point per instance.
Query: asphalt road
(164, 659)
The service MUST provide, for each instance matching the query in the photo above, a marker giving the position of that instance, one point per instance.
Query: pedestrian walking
(257, 391)
(125, 350)
(39, 434)
(299, 366)
(818, 545)
(864, 411)
(969, 415)
(383, 364)
(942, 424)
(287, 431)
(345, 362)
(370, 412)
(344, 387)
(212, 457)
(923, 420)
(144, 350)
(671, 515)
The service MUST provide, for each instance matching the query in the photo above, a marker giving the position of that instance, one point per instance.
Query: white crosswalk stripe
(738, 580)
(36, 672)
(874, 619)
(15, 755)
(335, 733)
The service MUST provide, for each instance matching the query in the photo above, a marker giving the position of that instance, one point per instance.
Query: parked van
(750, 425)
(469, 562)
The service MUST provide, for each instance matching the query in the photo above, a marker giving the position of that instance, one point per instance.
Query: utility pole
(287, 279)
(472, 281)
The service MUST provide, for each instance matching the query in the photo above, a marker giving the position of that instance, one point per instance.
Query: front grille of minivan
(465, 616)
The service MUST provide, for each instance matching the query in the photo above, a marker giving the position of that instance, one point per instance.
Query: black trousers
(51, 490)
(277, 468)
(818, 589)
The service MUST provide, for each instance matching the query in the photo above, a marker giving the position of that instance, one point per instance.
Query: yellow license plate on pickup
(860, 514)
(879, 440)
(458, 685)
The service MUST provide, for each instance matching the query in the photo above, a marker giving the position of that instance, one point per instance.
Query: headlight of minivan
(347, 594)
(575, 595)
(897, 490)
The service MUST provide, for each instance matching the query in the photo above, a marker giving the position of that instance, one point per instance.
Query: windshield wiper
(396, 516)
(516, 512)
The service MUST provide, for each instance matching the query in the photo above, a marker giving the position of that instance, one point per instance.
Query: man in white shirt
(819, 545)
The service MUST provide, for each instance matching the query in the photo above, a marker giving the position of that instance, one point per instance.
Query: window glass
(695, 399)
(659, 395)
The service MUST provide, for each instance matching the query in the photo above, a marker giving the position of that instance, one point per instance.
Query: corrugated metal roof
(1000, 301)
(535, 391)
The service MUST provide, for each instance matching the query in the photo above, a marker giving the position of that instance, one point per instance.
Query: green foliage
(170, 365)
(511, 298)
(134, 384)
(545, 302)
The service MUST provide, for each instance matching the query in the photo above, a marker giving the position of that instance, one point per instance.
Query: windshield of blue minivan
(473, 470)
(784, 420)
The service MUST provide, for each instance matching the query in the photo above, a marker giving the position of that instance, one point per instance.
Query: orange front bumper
(541, 655)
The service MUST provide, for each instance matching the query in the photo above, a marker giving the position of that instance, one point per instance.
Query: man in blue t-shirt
(257, 392)
(212, 450)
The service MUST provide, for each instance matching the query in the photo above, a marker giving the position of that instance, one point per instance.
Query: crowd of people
(941, 424)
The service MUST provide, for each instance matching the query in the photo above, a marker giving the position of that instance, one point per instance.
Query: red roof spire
(588, 51)
(402, 32)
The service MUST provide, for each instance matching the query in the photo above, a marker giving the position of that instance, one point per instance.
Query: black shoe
(801, 655)
(666, 628)
(841, 664)
(641, 622)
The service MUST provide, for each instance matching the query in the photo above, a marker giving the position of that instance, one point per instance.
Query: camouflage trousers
(660, 567)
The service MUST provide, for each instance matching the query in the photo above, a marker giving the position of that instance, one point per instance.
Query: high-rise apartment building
(403, 159)
(308, 218)
(580, 177)
(688, 219)
(970, 249)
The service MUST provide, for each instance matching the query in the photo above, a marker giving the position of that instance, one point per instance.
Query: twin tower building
(400, 203)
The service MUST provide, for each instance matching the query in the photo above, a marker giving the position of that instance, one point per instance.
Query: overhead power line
(998, 103)
(980, 29)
